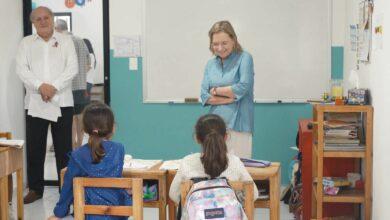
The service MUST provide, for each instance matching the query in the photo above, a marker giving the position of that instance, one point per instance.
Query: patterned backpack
(212, 199)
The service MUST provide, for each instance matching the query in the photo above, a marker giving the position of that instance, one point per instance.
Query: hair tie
(95, 131)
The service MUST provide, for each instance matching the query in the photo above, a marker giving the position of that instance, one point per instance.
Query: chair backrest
(81, 209)
(6, 135)
(246, 187)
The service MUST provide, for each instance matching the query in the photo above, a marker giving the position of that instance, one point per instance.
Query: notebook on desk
(255, 163)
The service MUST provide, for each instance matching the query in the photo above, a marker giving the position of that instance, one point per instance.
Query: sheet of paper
(170, 165)
(127, 46)
(353, 28)
(133, 63)
(378, 32)
(12, 143)
(45, 110)
(140, 164)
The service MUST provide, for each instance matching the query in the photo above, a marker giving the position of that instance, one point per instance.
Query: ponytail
(97, 150)
(210, 133)
(214, 158)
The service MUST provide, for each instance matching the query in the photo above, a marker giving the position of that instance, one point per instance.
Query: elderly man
(46, 62)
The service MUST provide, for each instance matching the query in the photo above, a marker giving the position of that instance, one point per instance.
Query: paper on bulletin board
(129, 46)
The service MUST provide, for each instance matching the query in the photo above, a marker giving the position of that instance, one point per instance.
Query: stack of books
(341, 133)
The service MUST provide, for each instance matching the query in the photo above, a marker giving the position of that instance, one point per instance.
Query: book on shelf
(341, 133)
(344, 147)
(341, 141)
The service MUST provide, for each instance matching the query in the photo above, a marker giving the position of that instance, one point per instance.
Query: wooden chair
(81, 209)
(246, 187)
(8, 135)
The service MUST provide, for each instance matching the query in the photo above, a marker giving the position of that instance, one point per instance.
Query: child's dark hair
(210, 132)
(98, 122)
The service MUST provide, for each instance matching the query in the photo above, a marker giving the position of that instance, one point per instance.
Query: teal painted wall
(337, 62)
(165, 131)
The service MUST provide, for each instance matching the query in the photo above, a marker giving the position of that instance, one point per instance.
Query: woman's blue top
(237, 72)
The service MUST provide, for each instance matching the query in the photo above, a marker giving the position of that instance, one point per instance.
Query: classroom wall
(11, 88)
(376, 77)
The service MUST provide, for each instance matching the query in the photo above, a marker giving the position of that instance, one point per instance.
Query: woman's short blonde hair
(225, 27)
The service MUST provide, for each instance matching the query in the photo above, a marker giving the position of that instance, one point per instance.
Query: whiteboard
(290, 41)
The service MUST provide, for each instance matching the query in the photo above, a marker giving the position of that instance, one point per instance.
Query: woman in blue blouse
(99, 158)
(228, 87)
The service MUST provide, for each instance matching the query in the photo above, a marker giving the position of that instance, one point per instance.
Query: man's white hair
(32, 14)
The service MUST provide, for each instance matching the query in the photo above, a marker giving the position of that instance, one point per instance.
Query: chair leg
(10, 188)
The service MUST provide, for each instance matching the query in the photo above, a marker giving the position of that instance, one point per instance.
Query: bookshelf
(356, 146)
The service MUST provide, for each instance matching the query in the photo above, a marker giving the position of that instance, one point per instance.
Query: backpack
(212, 199)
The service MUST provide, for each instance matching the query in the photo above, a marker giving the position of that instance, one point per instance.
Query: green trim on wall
(337, 62)
(165, 131)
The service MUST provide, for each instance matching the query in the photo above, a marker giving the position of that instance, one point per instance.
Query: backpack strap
(200, 179)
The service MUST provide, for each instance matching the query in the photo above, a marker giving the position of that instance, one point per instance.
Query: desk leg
(172, 210)
(162, 188)
(19, 177)
(274, 183)
(4, 198)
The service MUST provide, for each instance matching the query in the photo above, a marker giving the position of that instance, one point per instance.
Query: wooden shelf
(343, 108)
(345, 154)
(319, 153)
(340, 154)
(346, 195)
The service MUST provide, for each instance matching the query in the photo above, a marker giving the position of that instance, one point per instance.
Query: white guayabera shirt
(53, 62)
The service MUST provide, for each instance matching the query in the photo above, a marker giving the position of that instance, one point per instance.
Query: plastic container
(337, 88)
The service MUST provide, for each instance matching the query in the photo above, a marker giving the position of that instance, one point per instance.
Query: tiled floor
(43, 208)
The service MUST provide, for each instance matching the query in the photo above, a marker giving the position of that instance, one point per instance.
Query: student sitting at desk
(213, 161)
(99, 158)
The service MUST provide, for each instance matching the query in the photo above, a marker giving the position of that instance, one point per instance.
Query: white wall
(87, 22)
(11, 88)
(376, 77)
(338, 22)
(125, 17)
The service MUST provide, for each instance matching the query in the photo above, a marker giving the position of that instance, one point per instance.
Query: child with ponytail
(100, 158)
(213, 161)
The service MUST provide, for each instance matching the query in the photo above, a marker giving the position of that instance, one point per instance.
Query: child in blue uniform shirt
(101, 157)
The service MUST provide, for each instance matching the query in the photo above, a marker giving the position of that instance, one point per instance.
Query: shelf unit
(363, 161)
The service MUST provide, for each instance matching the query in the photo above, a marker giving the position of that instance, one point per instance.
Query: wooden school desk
(11, 160)
(154, 173)
(271, 173)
